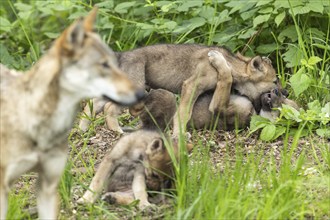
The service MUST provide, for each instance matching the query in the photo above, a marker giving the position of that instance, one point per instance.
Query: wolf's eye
(154, 175)
(105, 65)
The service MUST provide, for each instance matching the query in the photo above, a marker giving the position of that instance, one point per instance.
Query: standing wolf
(186, 69)
(38, 108)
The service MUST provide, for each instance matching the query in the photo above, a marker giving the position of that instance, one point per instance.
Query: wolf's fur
(236, 115)
(139, 161)
(38, 108)
(186, 69)
(273, 100)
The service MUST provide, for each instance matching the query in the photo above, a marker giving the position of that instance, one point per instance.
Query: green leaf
(5, 25)
(279, 18)
(290, 113)
(268, 132)
(266, 48)
(315, 6)
(189, 4)
(257, 122)
(260, 19)
(292, 56)
(122, 8)
(300, 81)
(279, 131)
(323, 132)
(52, 35)
(314, 60)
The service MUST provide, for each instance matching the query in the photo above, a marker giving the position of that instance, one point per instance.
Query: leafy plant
(314, 119)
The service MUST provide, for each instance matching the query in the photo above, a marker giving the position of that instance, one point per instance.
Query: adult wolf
(38, 108)
(186, 69)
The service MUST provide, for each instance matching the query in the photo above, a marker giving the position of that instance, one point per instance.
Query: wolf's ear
(90, 19)
(73, 37)
(257, 64)
(157, 145)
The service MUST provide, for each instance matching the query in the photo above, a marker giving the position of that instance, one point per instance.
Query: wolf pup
(186, 69)
(38, 108)
(139, 161)
(238, 114)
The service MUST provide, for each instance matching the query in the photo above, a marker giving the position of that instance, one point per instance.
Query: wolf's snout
(140, 94)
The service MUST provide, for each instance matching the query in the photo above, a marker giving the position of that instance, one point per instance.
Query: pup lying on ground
(38, 108)
(139, 161)
(186, 69)
(237, 115)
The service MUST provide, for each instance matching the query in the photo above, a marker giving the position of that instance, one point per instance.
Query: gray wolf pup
(158, 109)
(38, 108)
(139, 161)
(186, 70)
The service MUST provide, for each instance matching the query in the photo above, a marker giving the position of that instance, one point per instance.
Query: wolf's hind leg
(222, 91)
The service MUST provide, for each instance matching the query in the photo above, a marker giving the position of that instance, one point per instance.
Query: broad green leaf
(5, 57)
(122, 8)
(247, 34)
(290, 113)
(300, 82)
(257, 122)
(300, 10)
(323, 132)
(315, 6)
(314, 60)
(266, 48)
(292, 56)
(268, 132)
(189, 4)
(279, 131)
(260, 19)
(22, 6)
(267, 10)
(289, 32)
(314, 106)
(5, 25)
(279, 18)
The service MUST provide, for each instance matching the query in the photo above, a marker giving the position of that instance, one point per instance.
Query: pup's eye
(276, 92)
(154, 175)
(105, 65)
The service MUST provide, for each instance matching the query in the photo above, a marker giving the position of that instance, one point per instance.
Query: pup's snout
(140, 94)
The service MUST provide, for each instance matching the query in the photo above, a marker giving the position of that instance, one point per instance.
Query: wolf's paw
(109, 198)
(82, 201)
(217, 59)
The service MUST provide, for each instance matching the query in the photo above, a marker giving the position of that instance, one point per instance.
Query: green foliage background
(294, 34)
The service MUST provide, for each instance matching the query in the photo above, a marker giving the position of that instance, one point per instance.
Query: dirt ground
(221, 143)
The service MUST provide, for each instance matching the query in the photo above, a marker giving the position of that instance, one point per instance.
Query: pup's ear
(256, 63)
(157, 145)
(241, 57)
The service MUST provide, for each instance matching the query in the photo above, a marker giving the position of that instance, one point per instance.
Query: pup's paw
(82, 201)
(107, 197)
(217, 59)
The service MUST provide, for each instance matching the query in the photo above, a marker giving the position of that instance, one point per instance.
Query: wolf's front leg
(112, 112)
(99, 180)
(140, 188)
(52, 166)
(222, 91)
(205, 78)
(3, 198)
